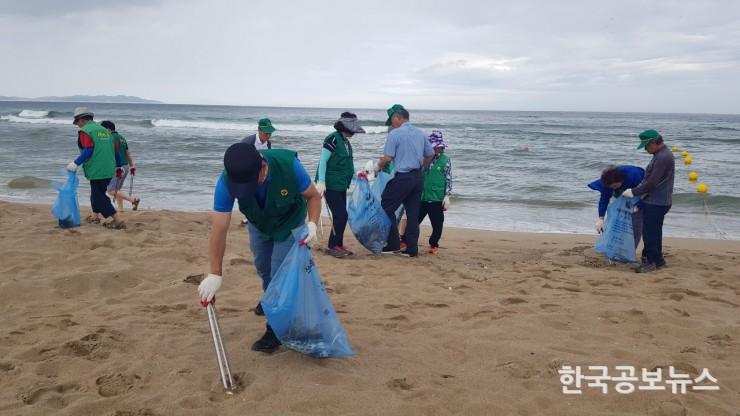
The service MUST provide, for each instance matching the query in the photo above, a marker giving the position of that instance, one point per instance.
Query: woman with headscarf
(334, 175)
(435, 199)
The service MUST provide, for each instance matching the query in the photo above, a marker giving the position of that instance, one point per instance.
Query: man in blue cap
(274, 192)
(656, 191)
(411, 152)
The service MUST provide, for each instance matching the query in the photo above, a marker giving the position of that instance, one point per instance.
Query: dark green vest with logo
(340, 167)
(102, 163)
(435, 180)
(285, 206)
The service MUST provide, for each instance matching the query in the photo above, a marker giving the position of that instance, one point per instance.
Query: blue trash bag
(617, 241)
(66, 209)
(367, 220)
(378, 186)
(298, 308)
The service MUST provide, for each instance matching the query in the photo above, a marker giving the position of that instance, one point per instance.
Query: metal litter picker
(223, 360)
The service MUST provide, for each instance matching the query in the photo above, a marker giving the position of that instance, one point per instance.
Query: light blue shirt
(408, 146)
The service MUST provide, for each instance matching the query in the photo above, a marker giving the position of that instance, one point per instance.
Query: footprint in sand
(53, 396)
(116, 384)
(95, 346)
(719, 340)
(239, 261)
(194, 279)
(163, 308)
(512, 301)
(399, 384)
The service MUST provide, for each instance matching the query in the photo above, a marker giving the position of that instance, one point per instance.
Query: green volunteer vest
(122, 147)
(435, 180)
(285, 206)
(340, 167)
(102, 163)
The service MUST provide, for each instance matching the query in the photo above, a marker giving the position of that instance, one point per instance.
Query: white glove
(72, 167)
(209, 286)
(321, 187)
(446, 203)
(312, 238)
(628, 193)
(600, 225)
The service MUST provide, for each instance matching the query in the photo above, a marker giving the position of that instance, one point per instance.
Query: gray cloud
(630, 56)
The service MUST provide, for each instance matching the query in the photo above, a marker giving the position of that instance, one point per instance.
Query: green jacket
(285, 205)
(102, 163)
(340, 166)
(435, 180)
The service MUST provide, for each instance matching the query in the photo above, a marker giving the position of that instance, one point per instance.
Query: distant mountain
(87, 99)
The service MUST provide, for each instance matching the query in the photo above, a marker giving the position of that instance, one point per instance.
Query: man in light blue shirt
(410, 151)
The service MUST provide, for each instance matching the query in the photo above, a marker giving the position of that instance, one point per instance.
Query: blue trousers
(652, 231)
(404, 188)
(268, 254)
(99, 201)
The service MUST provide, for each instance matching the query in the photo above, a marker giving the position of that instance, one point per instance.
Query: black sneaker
(268, 343)
(660, 264)
(405, 253)
(646, 268)
(389, 251)
(258, 310)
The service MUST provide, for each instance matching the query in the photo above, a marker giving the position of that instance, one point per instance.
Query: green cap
(265, 125)
(392, 110)
(646, 137)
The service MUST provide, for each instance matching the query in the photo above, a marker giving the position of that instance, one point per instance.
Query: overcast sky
(651, 56)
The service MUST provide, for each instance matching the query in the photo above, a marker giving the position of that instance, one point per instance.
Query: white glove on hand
(72, 167)
(446, 203)
(321, 187)
(312, 238)
(600, 225)
(209, 286)
(628, 193)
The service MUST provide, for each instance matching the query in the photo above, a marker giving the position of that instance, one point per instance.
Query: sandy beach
(103, 322)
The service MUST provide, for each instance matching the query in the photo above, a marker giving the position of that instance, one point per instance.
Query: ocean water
(178, 151)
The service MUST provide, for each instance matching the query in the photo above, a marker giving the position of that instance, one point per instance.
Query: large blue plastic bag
(617, 241)
(367, 220)
(298, 308)
(378, 186)
(66, 209)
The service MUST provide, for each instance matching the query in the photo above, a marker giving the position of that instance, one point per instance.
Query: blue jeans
(268, 254)
(652, 231)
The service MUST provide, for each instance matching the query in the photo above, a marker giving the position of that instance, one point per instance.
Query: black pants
(337, 202)
(404, 188)
(652, 231)
(99, 200)
(436, 217)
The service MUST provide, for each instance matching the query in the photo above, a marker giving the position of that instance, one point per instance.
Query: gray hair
(401, 113)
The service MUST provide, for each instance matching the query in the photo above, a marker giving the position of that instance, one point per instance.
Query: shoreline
(83, 208)
(106, 322)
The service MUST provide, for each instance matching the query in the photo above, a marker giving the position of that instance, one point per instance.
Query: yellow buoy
(684, 153)
(703, 188)
(687, 160)
(693, 176)
(674, 148)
